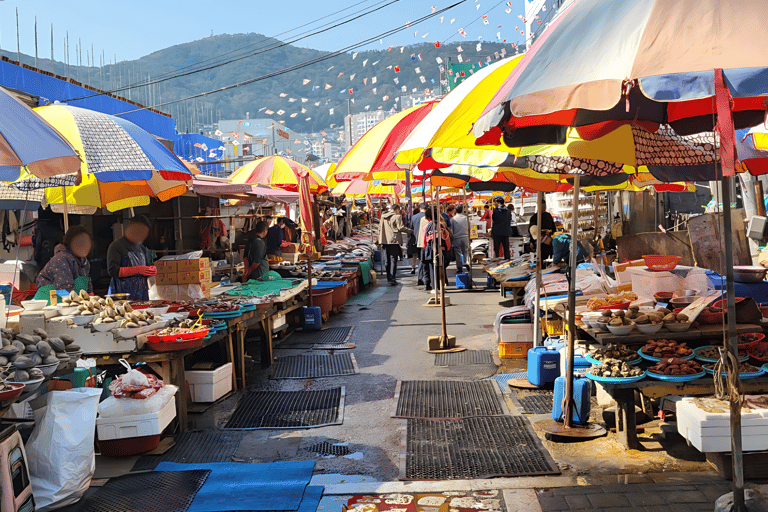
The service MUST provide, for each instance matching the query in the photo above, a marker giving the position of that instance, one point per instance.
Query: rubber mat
(367, 297)
(534, 401)
(288, 409)
(156, 491)
(244, 487)
(441, 399)
(314, 366)
(195, 447)
(503, 378)
(467, 357)
(308, 339)
(473, 448)
(327, 449)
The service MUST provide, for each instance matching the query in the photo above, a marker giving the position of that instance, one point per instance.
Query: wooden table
(168, 365)
(515, 286)
(695, 333)
(624, 395)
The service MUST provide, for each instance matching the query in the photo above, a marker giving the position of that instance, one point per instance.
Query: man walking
(460, 226)
(501, 228)
(391, 239)
(416, 222)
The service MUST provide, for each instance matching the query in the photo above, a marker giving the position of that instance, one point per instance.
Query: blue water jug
(311, 318)
(582, 396)
(490, 282)
(462, 281)
(543, 365)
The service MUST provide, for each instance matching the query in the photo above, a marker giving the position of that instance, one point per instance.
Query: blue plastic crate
(462, 281)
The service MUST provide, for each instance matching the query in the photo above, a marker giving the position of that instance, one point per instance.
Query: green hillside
(265, 95)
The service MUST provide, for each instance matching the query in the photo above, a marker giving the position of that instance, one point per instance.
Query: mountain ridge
(372, 73)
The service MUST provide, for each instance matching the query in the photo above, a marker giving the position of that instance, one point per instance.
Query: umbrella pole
(568, 406)
(536, 309)
(732, 345)
(441, 276)
(66, 212)
(435, 250)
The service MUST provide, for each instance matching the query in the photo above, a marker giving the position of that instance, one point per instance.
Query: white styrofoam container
(123, 427)
(90, 342)
(209, 385)
(515, 333)
(711, 432)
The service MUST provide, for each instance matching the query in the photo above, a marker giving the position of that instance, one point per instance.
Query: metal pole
(536, 309)
(732, 346)
(572, 308)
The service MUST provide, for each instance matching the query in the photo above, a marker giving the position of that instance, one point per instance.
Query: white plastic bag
(133, 377)
(116, 407)
(60, 449)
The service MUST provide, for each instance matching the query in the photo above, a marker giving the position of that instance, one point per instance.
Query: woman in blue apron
(128, 261)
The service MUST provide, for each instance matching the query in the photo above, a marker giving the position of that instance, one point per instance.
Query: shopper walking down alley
(460, 226)
(391, 239)
(501, 228)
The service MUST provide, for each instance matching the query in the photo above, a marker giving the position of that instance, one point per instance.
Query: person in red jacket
(128, 261)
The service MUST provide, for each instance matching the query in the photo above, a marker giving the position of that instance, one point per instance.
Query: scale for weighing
(15, 487)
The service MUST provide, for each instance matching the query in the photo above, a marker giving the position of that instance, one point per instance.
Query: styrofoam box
(209, 385)
(123, 427)
(710, 432)
(646, 282)
(509, 333)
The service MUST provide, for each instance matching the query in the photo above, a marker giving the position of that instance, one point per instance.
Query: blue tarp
(245, 486)
(50, 89)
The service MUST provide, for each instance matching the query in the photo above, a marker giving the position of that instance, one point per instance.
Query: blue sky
(132, 29)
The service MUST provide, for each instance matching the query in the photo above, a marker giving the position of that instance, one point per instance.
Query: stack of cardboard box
(190, 277)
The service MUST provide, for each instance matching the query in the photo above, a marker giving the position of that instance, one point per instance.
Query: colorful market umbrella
(112, 148)
(123, 166)
(622, 61)
(373, 154)
(446, 131)
(26, 139)
(361, 188)
(278, 172)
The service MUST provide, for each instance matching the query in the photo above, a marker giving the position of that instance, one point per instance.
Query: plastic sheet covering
(61, 451)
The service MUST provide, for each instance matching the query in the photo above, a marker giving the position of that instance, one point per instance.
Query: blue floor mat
(311, 499)
(502, 379)
(245, 487)
(367, 297)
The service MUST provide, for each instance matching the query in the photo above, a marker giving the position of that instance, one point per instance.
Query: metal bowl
(684, 293)
(681, 302)
(749, 274)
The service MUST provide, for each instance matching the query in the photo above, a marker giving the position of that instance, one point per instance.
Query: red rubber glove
(134, 271)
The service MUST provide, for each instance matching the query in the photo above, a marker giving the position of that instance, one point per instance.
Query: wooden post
(177, 225)
(759, 197)
(66, 208)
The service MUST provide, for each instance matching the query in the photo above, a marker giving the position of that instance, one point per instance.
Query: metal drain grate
(534, 401)
(441, 399)
(473, 448)
(327, 336)
(195, 447)
(467, 357)
(327, 449)
(288, 409)
(155, 491)
(342, 346)
(314, 366)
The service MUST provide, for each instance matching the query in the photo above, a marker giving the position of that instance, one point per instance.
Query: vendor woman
(128, 261)
(69, 261)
